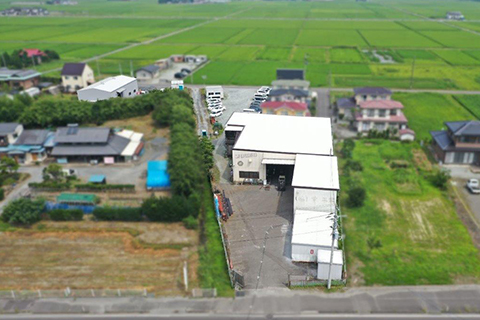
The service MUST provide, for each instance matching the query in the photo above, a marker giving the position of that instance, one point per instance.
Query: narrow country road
(22, 189)
(200, 111)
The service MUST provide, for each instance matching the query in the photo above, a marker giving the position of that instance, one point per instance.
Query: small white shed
(406, 135)
(311, 233)
(324, 263)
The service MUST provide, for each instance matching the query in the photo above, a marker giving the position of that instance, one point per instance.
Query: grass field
(470, 102)
(95, 255)
(428, 111)
(407, 232)
(260, 31)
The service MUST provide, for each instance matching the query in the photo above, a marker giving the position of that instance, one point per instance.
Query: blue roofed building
(459, 144)
(25, 148)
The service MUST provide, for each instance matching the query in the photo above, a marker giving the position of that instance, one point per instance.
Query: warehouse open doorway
(274, 171)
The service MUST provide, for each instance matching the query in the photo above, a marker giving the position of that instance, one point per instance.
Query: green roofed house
(19, 79)
(77, 198)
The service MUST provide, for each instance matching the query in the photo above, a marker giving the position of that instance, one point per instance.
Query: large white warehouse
(263, 147)
(113, 87)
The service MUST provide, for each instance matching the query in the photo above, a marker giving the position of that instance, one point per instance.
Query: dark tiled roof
(150, 68)
(81, 135)
(114, 147)
(32, 137)
(290, 74)
(346, 103)
(371, 91)
(294, 92)
(73, 69)
(442, 139)
(464, 128)
(8, 127)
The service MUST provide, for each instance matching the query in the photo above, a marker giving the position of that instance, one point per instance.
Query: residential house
(459, 144)
(9, 133)
(19, 79)
(177, 58)
(75, 144)
(380, 115)
(371, 93)
(345, 108)
(25, 146)
(113, 87)
(455, 15)
(149, 72)
(35, 54)
(288, 108)
(76, 76)
(163, 64)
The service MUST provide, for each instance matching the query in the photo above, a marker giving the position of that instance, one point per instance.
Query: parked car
(179, 75)
(214, 106)
(213, 109)
(260, 99)
(216, 113)
(264, 90)
(210, 100)
(473, 186)
(185, 70)
(249, 111)
(256, 103)
(257, 109)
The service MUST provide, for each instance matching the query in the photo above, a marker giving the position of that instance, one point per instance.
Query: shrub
(352, 165)
(171, 209)
(356, 196)
(50, 185)
(117, 214)
(347, 148)
(2, 194)
(439, 179)
(100, 187)
(190, 223)
(66, 215)
(23, 211)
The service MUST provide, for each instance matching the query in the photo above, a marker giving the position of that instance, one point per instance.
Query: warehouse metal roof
(110, 84)
(318, 172)
(312, 228)
(283, 134)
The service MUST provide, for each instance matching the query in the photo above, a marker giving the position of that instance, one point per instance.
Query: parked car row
(182, 74)
(260, 97)
(215, 107)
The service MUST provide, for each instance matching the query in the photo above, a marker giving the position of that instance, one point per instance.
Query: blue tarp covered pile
(157, 175)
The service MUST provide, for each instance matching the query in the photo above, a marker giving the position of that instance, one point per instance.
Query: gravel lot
(236, 99)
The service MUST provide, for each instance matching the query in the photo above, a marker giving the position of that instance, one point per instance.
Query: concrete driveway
(257, 211)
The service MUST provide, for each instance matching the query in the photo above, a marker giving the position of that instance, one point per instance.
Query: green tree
(207, 150)
(356, 196)
(23, 211)
(8, 165)
(53, 172)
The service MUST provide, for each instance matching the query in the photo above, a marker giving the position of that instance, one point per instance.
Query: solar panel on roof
(72, 130)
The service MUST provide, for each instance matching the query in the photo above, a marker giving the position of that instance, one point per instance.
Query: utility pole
(98, 68)
(120, 68)
(33, 61)
(334, 237)
(413, 72)
(131, 69)
(3, 59)
(305, 63)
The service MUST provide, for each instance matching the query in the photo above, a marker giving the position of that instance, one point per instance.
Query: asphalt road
(243, 316)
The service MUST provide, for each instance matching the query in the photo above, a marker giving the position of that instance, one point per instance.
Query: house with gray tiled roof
(459, 144)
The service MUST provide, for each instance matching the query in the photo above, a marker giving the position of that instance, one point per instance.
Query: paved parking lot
(236, 99)
(257, 211)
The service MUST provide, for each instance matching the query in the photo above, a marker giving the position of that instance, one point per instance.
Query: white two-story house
(76, 76)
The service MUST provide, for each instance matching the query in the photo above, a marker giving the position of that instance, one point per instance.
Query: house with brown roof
(76, 76)
(287, 108)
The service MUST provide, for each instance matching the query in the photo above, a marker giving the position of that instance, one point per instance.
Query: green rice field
(246, 41)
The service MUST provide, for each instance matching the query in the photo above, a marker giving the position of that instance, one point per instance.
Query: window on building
(299, 113)
(75, 78)
(365, 126)
(468, 139)
(249, 174)
(15, 135)
(393, 112)
(382, 113)
(67, 77)
(371, 113)
(284, 113)
(134, 90)
(130, 93)
(380, 126)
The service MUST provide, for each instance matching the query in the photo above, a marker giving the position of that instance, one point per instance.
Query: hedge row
(117, 214)
(104, 187)
(50, 185)
(66, 215)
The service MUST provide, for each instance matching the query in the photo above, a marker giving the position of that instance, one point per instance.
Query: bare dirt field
(94, 255)
(143, 124)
